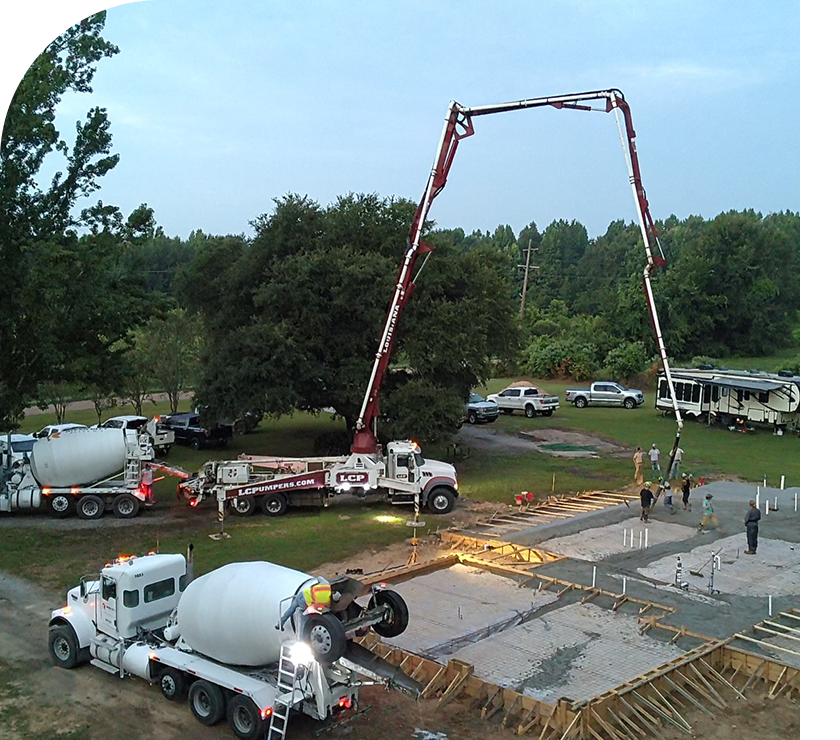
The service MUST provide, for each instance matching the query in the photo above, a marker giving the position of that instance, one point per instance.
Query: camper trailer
(732, 397)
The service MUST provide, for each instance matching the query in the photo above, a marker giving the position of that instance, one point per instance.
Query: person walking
(638, 461)
(686, 492)
(708, 515)
(653, 454)
(751, 520)
(675, 470)
(646, 496)
(669, 497)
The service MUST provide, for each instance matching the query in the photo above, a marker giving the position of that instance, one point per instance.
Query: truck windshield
(418, 460)
(620, 387)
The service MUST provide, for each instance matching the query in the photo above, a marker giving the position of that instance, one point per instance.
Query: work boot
(749, 552)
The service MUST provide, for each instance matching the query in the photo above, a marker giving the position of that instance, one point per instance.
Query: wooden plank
(767, 644)
(619, 602)
(781, 626)
(679, 689)
(514, 705)
(529, 721)
(634, 733)
(720, 678)
(651, 727)
(432, 685)
(611, 731)
(776, 632)
(489, 701)
(453, 688)
(707, 692)
(718, 699)
(663, 714)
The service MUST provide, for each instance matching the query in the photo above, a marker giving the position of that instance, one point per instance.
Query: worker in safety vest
(315, 598)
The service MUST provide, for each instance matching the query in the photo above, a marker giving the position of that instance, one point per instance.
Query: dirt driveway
(555, 441)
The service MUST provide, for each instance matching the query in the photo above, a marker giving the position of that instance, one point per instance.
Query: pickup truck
(480, 410)
(162, 437)
(525, 398)
(188, 430)
(605, 394)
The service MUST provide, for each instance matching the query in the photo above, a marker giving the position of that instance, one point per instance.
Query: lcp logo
(354, 479)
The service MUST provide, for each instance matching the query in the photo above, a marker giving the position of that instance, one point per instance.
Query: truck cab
(130, 594)
(435, 481)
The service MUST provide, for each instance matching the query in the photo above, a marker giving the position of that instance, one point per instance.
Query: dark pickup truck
(189, 431)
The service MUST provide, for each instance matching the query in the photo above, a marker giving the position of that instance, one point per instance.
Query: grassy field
(306, 538)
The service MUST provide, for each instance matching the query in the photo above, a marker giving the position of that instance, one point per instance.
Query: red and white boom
(458, 125)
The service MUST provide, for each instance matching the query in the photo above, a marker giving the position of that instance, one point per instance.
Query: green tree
(63, 307)
(294, 318)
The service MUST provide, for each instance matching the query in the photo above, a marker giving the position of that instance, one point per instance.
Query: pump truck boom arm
(458, 125)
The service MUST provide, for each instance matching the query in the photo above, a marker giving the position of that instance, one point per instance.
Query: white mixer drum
(79, 458)
(231, 613)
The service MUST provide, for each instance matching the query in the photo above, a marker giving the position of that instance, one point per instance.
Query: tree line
(105, 306)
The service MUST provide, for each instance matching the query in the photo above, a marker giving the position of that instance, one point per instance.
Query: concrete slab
(577, 652)
(457, 602)
(602, 542)
(773, 571)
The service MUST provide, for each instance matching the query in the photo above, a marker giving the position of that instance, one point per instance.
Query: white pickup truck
(605, 394)
(525, 398)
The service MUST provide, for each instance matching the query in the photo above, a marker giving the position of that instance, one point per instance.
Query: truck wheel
(64, 646)
(244, 718)
(472, 418)
(325, 635)
(243, 506)
(550, 412)
(207, 702)
(126, 506)
(195, 443)
(60, 505)
(90, 507)
(173, 684)
(530, 411)
(580, 402)
(396, 619)
(440, 500)
(162, 451)
(274, 504)
(629, 403)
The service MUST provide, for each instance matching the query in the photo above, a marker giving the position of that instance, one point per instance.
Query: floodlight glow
(301, 654)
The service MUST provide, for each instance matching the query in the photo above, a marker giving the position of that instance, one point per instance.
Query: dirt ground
(578, 444)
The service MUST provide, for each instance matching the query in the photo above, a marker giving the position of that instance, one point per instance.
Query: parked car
(188, 430)
(51, 429)
(21, 445)
(162, 436)
(525, 398)
(605, 394)
(479, 410)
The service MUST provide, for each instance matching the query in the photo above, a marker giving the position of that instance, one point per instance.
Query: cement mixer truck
(89, 471)
(218, 642)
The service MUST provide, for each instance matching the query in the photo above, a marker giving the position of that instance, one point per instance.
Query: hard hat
(647, 484)
(667, 484)
(684, 475)
(708, 495)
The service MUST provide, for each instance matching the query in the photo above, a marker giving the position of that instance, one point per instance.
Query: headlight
(301, 653)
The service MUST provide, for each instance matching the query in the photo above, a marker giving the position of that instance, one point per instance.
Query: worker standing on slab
(708, 515)
(751, 523)
(653, 454)
(686, 492)
(638, 460)
(669, 497)
(646, 496)
(675, 470)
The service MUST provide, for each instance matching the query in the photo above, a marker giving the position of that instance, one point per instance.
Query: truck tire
(440, 500)
(64, 646)
(173, 684)
(629, 403)
(60, 505)
(125, 506)
(195, 443)
(162, 451)
(244, 718)
(530, 411)
(396, 620)
(242, 506)
(207, 702)
(550, 412)
(324, 633)
(90, 507)
(507, 411)
(274, 504)
(472, 418)
(581, 402)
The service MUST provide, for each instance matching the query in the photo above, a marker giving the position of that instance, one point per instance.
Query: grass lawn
(305, 538)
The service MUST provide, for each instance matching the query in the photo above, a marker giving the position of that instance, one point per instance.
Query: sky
(217, 108)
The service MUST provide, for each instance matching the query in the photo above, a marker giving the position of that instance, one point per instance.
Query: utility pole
(528, 268)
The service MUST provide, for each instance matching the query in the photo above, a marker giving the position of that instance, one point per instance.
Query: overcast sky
(218, 107)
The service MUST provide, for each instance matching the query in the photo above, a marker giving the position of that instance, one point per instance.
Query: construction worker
(646, 496)
(654, 454)
(675, 470)
(638, 461)
(686, 491)
(708, 515)
(751, 523)
(315, 598)
(669, 497)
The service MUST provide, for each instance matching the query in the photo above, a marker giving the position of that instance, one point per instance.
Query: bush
(548, 357)
(627, 359)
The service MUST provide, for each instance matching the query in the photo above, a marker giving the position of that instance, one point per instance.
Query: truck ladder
(284, 698)
(132, 472)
